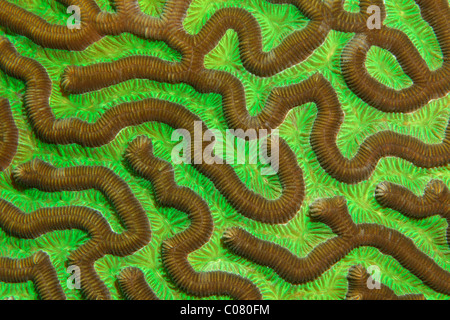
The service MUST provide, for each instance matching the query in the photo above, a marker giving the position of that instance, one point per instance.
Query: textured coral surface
(87, 179)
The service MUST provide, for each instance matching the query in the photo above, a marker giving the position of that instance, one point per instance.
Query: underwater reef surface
(359, 207)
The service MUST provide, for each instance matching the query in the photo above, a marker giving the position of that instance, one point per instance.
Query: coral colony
(243, 149)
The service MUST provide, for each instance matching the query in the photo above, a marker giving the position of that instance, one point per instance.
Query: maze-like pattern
(86, 122)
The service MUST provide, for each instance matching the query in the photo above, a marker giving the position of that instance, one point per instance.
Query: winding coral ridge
(333, 212)
(435, 201)
(45, 177)
(37, 268)
(358, 289)
(176, 249)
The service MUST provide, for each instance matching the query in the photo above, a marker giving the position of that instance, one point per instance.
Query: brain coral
(93, 91)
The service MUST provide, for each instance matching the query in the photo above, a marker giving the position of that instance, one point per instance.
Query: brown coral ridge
(296, 47)
(9, 135)
(45, 177)
(427, 85)
(435, 201)
(133, 285)
(358, 289)
(334, 213)
(175, 250)
(281, 100)
(38, 269)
